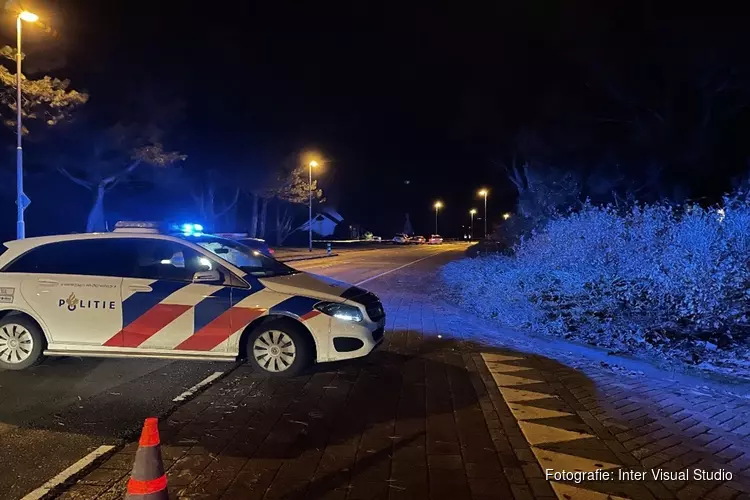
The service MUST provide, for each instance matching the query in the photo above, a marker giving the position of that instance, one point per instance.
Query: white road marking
(194, 389)
(74, 469)
(397, 268)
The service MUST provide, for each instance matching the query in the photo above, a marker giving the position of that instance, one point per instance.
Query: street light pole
(309, 220)
(438, 204)
(22, 201)
(471, 230)
(485, 215)
(485, 192)
(20, 224)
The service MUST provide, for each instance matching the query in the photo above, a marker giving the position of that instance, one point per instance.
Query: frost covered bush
(654, 277)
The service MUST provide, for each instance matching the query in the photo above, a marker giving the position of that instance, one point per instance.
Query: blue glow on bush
(626, 279)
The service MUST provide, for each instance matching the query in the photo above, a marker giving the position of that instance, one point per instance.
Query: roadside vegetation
(656, 280)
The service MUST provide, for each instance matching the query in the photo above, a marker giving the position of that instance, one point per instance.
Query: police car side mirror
(207, 277)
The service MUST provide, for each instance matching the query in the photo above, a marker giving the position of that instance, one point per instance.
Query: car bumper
(349, 341)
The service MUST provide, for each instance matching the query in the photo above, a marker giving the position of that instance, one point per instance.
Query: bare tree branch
(515, 177)
(114, 179)
(78, 181)
(230, 205)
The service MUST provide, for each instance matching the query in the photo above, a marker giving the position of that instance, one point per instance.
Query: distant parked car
(417, 240)
(435, 239)
(368, 236)
(254, 243)
(401, 239)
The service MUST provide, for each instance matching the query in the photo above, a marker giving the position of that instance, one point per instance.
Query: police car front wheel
(278, 349)
(21, 343)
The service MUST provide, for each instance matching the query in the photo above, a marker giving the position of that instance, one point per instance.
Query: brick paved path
(439, 412)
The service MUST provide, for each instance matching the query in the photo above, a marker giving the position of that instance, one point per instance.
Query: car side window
(166, 260)
(231, 254)
(119, 257)
(89, 257)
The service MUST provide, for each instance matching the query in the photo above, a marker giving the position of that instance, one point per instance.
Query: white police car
(137, 292)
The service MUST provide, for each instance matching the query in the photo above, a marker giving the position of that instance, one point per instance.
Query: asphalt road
(54, 414)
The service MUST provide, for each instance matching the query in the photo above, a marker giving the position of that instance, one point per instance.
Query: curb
(565, 350)
(309, 257)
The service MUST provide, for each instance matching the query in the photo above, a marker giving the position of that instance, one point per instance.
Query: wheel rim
(16, 343)
(274, 351)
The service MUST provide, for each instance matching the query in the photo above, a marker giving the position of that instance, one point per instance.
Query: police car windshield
(250, 261)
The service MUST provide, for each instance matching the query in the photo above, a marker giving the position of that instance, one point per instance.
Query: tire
(269, 351)
(22, 342)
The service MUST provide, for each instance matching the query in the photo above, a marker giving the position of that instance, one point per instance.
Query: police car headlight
(340, 311)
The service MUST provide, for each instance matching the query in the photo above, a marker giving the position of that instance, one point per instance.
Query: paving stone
(540, 487)
(658, 490)
(692, 491)
(81, 492)
(521, 492)
(103, 477)
(515, 475)
(449, 484)
(730, 453)
(722, 493)
(288, 490)
(120, 460)
(486, 469)
(496, 487)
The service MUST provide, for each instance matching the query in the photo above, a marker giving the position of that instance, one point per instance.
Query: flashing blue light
(188, 229)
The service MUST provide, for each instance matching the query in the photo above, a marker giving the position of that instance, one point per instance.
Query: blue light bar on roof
(191, 229)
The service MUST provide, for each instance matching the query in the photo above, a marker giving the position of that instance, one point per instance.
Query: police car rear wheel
(278, 350)
(21, 343)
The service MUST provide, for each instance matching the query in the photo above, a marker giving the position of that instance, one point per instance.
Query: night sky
(409, 103)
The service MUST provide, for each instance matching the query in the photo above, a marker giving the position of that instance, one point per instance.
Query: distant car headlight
(340, 311)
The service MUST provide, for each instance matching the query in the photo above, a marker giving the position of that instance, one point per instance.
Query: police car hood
(310, 285)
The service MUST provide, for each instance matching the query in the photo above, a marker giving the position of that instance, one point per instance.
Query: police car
(140, 292)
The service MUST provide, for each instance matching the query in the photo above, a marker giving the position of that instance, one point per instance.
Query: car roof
(19, 247)
(22, 246)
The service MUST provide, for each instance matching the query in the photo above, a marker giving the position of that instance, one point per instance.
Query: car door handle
(140, 288)
(47, 283)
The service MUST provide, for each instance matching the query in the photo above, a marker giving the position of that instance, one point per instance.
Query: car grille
(355, 293)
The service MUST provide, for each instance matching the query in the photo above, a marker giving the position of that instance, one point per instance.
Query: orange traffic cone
(148, 481)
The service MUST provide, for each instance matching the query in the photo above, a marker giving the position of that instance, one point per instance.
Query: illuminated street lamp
(312, 165)
(29, 17)
(506, 216)
(472, 212)
(438, 206)
(484, 193)
(22, 201)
